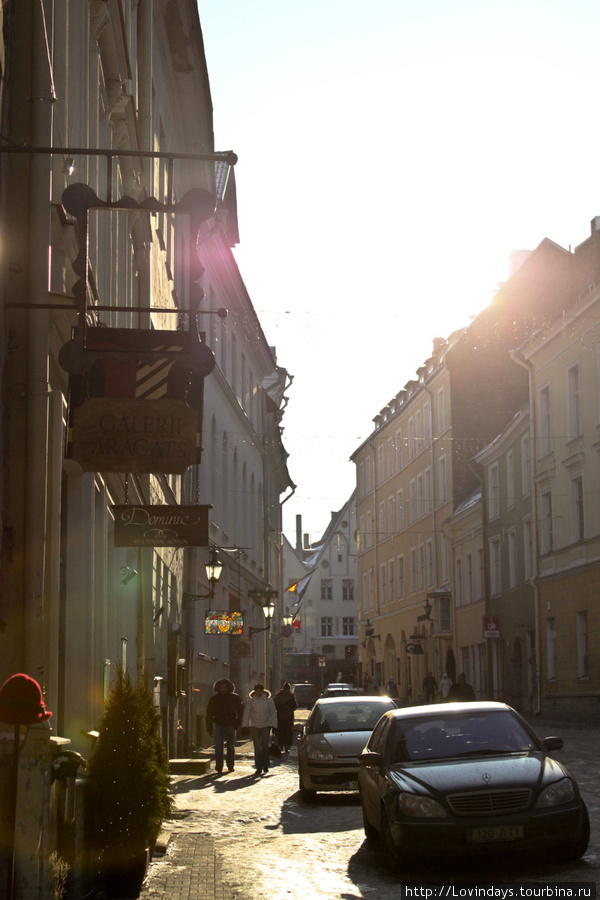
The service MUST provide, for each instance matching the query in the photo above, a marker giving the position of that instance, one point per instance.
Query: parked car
(460, 778)
(305, 694)
(341, 690)
(336, 731)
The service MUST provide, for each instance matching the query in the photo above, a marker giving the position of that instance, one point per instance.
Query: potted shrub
(128, 791)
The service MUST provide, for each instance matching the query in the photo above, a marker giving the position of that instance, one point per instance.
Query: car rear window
(347, 716)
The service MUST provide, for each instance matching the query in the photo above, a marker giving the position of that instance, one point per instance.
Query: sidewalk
(185, 865)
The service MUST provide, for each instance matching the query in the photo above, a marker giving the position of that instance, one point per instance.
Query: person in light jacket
(260, 715)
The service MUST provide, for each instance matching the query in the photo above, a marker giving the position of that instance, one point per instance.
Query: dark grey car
(461, 778)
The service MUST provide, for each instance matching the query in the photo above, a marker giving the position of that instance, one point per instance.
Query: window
(493, 492)
(445, 556)
(398, 450)
(348, 625)
(400, 577)
(369, 529)
(418, 432)
(479, 573)
(427, 424)
(577, 523)
(371, 589)
(510, 478)
(429, 557)
(399, 511)
(527, 550)
(441, 411)
(391, 514)
(411, 438)
(583, 670)
(573, 402)
(428, 492)
(468, 580)
(551, 650)
(381, 534)
(419, 496)
(389, 457)
(361, 535)
(458, 587)
(368, 474)
(326, 626)
(326, 588)
(525, 465)
(512, 559)
(544, 414)
(413, 501)
(413, 570)
(391, 579)
(442, 479)
(546, 524)
(421, 567)
(347, 589)
(382, 585)
(495, 570)
(365, 597)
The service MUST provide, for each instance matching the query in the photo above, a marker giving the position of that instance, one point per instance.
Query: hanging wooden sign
(161, 526)
(139, 436)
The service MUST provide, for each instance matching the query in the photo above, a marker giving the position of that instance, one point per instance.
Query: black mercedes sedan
(460, 778)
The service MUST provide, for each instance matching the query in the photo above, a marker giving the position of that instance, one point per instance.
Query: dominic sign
(161, 526)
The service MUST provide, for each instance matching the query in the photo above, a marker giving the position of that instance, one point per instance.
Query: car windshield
(359, 716)
(458, 735)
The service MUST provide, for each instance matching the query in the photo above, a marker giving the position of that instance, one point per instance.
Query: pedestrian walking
(391, 688)
(285, 704)
(224, 717)
(461, 690)
(445, 686)
(429, 688)
(260, 715)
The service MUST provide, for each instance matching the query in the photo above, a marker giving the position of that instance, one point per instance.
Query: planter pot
(123, 873)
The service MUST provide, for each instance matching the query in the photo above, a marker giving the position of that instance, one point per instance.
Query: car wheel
(371, 832)
(574, 851)
(386, 840)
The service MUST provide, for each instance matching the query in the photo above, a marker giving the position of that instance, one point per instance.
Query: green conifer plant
(128, 792)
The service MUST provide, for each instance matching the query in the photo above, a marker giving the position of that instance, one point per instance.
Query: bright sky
(392, 154)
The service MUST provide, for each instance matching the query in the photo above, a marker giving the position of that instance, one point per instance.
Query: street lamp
(287, 619)
(266, 598)
(213, 567)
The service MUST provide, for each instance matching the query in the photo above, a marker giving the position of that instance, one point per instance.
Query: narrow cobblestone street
(240, 837)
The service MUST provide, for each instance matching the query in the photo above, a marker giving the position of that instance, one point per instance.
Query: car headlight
(556, 794)
(420, 806)
(314, 753)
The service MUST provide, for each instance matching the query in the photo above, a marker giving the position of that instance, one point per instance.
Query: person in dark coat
(286, 704)
(224, 717)
(429, 687)
(461, 690)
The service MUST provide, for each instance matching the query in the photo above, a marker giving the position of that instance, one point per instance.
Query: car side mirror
(298, 726)
(552, 743)
(369, 758)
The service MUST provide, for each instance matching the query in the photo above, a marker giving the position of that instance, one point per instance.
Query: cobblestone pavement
(240, 837)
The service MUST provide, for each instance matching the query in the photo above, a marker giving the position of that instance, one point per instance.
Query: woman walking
(260, 715)
(285, 703)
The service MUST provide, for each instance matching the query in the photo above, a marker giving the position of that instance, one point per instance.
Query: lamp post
(266, 598)
(213, 567)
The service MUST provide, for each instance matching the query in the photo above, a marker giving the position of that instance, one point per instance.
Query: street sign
(322, 661)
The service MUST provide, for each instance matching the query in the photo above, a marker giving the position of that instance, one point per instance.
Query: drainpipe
(518, 357)
(38, 325)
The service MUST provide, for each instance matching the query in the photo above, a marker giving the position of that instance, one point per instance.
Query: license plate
(495, 833)
(351, 785)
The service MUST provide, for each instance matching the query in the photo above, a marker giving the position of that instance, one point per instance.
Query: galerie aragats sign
(138, 436)
(161, 526)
